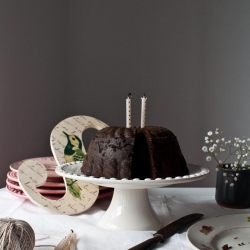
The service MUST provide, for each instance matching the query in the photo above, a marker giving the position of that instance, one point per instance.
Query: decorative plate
(228, 231)
(42, 189)
(21, 194)
(104, 191)
(11, 175)
(17, 191)
(49, 162)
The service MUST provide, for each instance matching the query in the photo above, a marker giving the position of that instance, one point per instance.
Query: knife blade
(166, 232)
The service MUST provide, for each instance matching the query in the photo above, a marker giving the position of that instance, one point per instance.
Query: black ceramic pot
(236, 195)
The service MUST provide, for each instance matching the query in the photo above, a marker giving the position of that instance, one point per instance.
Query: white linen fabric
(50, 227)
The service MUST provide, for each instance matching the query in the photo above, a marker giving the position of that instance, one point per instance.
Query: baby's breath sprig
(237, 148)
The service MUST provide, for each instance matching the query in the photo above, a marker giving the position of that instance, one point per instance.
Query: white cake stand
(130, 208)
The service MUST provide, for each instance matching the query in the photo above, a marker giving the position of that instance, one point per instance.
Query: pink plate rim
(42, 189)
(51, 182)
(48, 161)
(20, 193)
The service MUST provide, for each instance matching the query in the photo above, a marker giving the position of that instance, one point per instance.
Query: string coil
(16, 235)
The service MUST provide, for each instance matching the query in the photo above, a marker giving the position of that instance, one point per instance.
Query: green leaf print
(74, 188)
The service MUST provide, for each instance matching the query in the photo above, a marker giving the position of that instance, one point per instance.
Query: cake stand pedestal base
(130, 209)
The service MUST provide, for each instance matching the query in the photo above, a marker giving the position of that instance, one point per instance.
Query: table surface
(197, 191)
(169, 204)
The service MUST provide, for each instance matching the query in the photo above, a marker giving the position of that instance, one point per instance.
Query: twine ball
(16, 235)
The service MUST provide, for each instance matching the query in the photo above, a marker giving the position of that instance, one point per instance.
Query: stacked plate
(53, 188)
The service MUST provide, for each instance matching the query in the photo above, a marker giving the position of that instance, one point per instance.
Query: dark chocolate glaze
(120, 152)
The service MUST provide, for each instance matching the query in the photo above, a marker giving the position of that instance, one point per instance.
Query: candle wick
(144, 95)
(129, 95)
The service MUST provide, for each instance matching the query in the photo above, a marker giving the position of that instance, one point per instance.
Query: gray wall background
(66, 58)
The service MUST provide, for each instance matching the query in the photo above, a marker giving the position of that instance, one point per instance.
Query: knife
(167, 232)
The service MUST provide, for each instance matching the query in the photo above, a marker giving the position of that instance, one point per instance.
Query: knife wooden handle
(149, 244)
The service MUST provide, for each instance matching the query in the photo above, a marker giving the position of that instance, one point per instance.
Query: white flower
(211, 149)
(234, 147)
(232, 184)
(208, 158)
(217, 169)
(224, 174)
(226, 181)
(235, 178)
(237, 174)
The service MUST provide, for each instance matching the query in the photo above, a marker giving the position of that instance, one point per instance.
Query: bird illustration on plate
(73, 150)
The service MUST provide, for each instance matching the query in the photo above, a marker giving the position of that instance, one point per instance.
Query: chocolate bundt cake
(120, 152)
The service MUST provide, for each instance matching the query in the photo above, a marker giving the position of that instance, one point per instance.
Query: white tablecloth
(90, 237)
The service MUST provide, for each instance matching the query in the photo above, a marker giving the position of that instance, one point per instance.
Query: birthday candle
(143, 110)
(128, 111)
